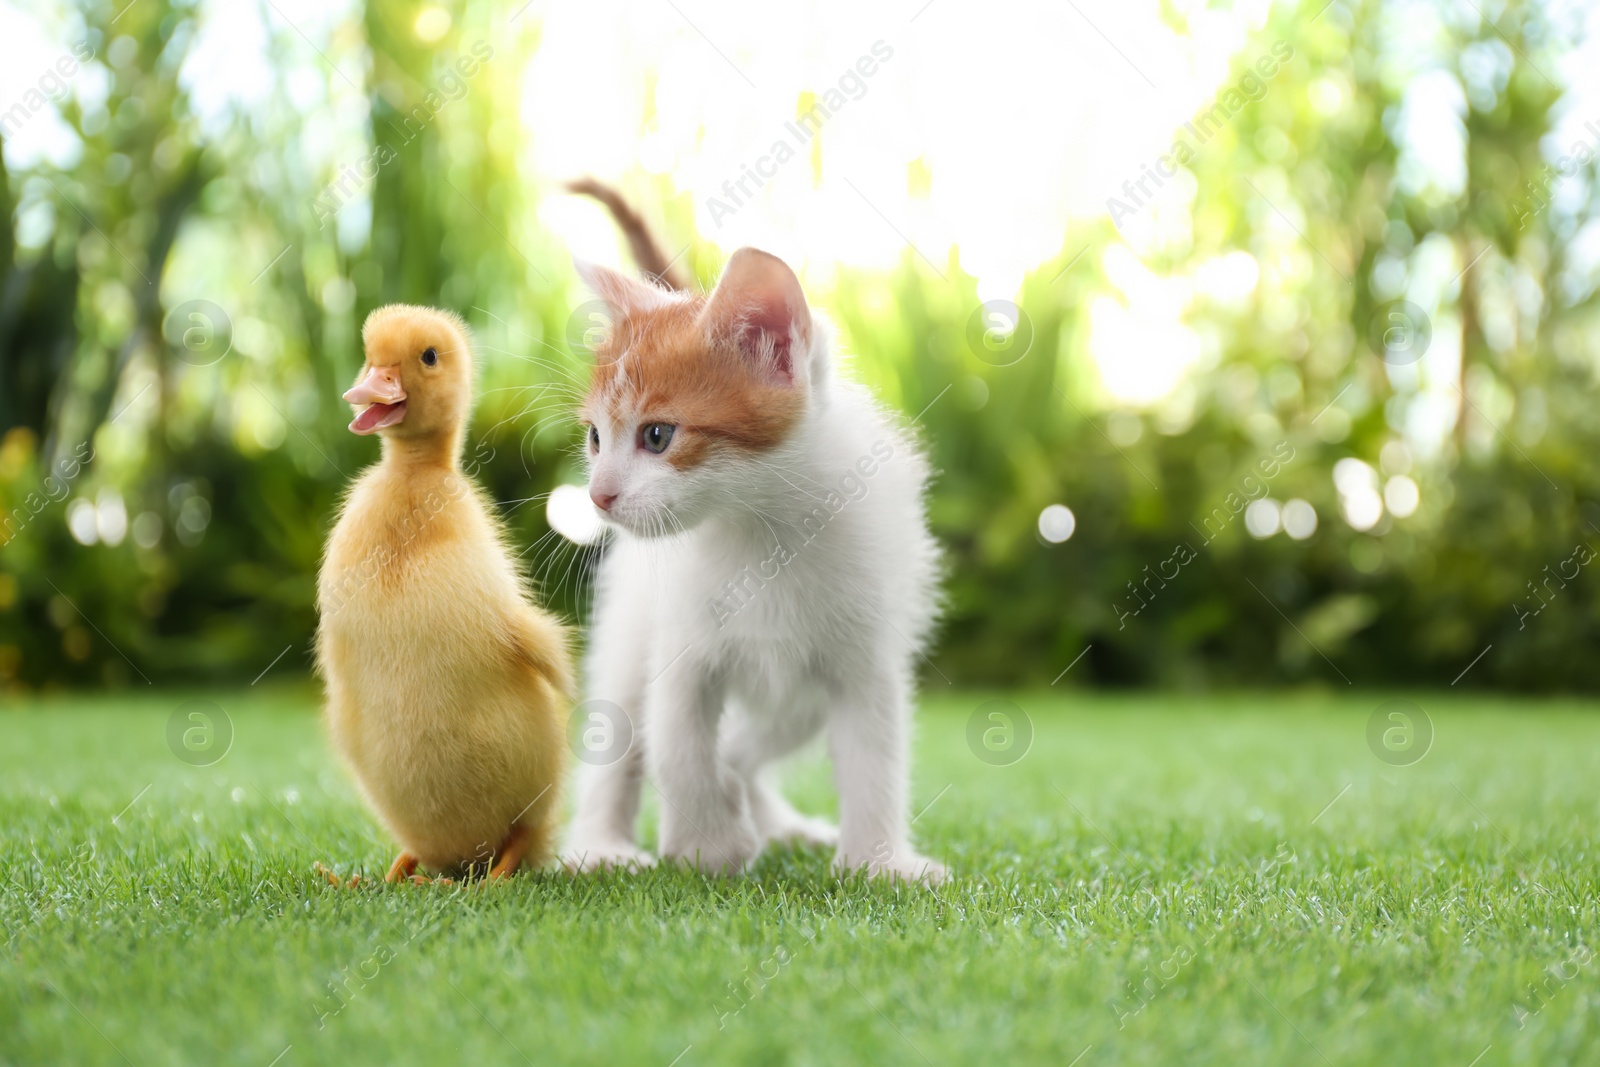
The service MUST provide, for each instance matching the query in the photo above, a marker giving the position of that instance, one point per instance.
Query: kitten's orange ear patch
(624, 294)
(721, 369)
(759, 306)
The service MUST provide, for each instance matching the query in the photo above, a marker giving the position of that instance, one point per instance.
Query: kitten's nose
(602, 499)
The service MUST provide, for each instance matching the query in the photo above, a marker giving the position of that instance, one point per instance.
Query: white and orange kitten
(771, 577)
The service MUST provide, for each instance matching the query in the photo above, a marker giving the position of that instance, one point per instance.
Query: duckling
(447, 687)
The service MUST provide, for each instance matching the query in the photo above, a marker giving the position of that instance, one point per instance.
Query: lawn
(1158, 880)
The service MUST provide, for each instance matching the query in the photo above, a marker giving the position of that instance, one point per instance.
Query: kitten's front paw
(901, 865)
(601, 855)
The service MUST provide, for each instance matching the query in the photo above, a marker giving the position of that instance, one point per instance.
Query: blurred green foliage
(203, 445)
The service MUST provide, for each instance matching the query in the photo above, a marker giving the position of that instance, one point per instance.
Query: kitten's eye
(430, 357)
(594, 439)
(656, 437)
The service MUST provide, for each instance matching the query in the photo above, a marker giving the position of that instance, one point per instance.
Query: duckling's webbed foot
(333, 877)
(509, 858)
(404, 866)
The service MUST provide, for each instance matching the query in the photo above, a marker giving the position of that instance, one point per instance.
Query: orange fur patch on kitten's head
(416, 381)
(690, 384)
(720, 369)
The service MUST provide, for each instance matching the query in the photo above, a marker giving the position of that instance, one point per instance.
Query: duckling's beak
(385, 398)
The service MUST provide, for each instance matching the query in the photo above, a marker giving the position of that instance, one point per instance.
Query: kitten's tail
(645, 250)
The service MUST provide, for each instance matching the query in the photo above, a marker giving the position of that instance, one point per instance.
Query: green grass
(1159, 880)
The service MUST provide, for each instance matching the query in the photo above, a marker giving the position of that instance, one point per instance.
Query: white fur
(829, 643)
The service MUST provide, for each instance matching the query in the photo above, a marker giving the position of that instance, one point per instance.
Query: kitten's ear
(759, 305)
(626, 295)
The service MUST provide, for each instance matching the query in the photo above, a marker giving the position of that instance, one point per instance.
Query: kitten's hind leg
(749, 742)
(777, 820)
(705, 810)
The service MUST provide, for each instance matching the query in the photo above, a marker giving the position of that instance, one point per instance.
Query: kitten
(771, 577)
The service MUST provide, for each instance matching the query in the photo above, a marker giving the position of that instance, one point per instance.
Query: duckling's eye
(430, 357)
(594, 439)
(656, 437)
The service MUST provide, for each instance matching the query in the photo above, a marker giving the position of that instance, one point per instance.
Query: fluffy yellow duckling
(446, 686)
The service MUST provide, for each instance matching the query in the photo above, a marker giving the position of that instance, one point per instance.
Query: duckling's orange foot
(422, 879)
(404, 866)
(511, 853)
(404, 869)
(333, 877)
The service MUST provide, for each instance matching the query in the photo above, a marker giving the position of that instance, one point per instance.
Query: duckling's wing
(541, 642)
